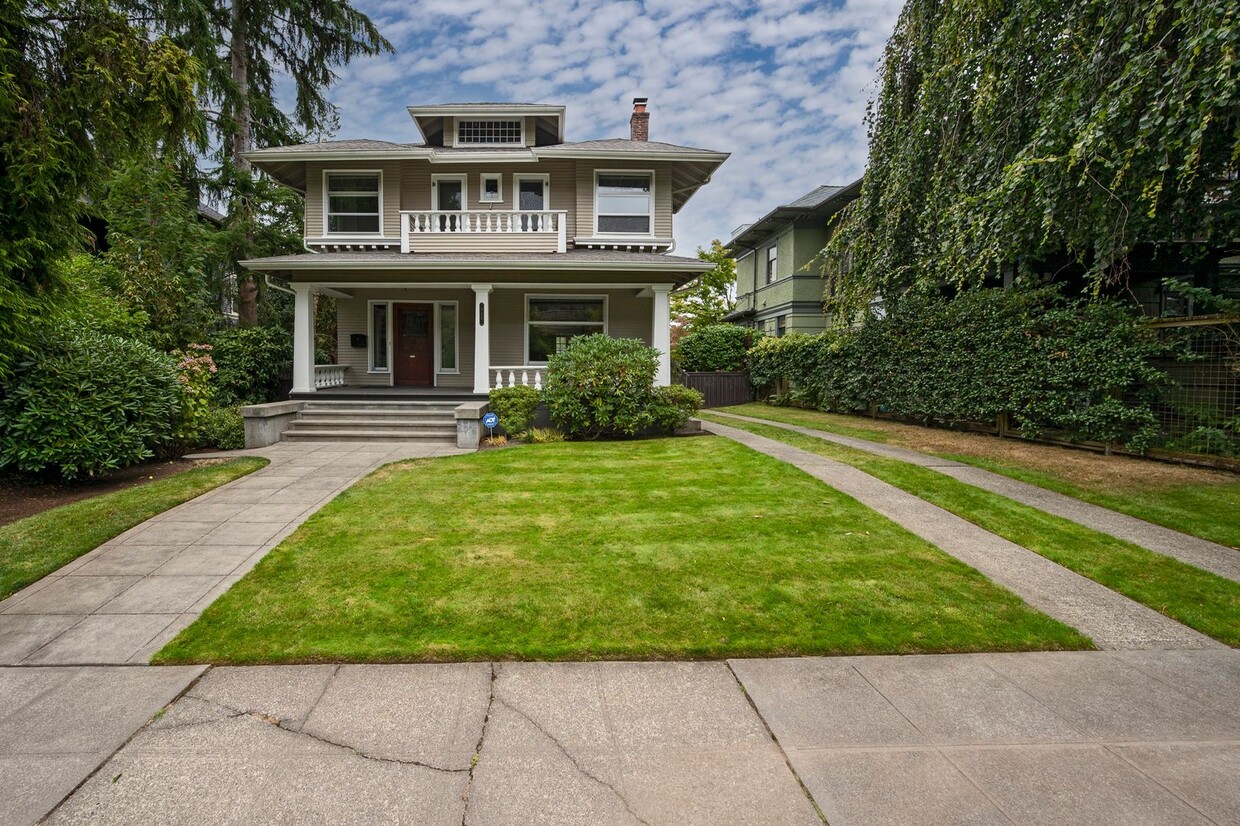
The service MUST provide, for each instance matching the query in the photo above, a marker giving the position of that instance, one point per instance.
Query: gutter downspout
(267, 280)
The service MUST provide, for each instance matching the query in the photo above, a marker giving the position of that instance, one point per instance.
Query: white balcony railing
(479, 224)
(329, 375)
(513, 376)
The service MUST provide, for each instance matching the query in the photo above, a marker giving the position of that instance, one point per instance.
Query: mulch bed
(20, 498)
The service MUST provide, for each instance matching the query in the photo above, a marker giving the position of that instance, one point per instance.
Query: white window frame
(518, 177)
(456, 130)
(653, 201)
(482, 187)
(327, 204)
(439, 368)
(771, 270)
(455, 176)
(525, 352)
(370, 337)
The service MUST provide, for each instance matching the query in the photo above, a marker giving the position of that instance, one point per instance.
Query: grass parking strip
(1199, 599)
(655, 549)
(34, 547)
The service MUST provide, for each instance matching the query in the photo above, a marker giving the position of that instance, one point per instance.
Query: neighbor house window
(624, 203)
(781, 325)
(353, 202)
(489, 132)
(553, 322)
(772, 256)
(447, 337)
(379, 337)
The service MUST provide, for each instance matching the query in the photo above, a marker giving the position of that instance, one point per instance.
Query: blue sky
(781, 84)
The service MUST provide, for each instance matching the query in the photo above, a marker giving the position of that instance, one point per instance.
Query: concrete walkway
(1192, 550)
(126, 599)
(1066, 738)
(1111, 620)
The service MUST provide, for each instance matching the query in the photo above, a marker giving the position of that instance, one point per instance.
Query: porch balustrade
(525, 376)
(550, 225)
(329, 375)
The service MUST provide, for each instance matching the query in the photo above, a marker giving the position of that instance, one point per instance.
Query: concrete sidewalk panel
(102, 638)
(1212, 678)
(160, 595)
(73, 595)
(820, 702)
(23, 634)
(1204, 775)
(892, 787)
(285, 692)
(1071, 785)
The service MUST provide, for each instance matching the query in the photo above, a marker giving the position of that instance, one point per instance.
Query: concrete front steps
(374, 421)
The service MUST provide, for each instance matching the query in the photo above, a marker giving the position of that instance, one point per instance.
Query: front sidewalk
(126, 599)
(1148, 737)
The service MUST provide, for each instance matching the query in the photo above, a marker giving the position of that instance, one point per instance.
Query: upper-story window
(490, 132)
(772, 263)
(624, 203)
(353, 202)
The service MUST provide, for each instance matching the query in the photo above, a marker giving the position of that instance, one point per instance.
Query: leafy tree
(81, 82)
(1005, 133)
(710, 296)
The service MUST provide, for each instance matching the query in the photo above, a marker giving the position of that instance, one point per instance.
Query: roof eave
(308, 264)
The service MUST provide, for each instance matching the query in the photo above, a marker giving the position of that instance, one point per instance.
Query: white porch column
(482, 337)
(661, 335)
(303, 339)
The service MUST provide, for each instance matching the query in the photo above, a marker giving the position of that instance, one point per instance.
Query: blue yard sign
(490, 421)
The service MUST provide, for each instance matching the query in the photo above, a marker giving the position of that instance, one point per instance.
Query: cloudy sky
(781, 84)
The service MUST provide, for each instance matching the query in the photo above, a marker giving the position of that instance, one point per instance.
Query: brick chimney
(639, 124)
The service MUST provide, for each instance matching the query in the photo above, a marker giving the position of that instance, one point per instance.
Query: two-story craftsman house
(464, 261)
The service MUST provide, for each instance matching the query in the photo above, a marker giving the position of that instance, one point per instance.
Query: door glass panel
(449, 195)
(447, 336)
(378, 339)
(413, 324)
(532, 196)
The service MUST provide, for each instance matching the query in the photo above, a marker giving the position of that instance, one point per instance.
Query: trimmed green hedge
(717, 347)
(515, 407)
(1053, 364)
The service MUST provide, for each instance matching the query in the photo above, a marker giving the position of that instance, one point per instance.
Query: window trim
(453, 176)
(439, 368)
(456, 129)
(772, 262)
(327, 233)
(525, 353)
(370, 338)
(482, 179)
(653, 202)
(518, 177)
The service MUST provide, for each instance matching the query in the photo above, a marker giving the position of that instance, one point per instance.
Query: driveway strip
(1111, 620)
(1209, 556)
(126, 599)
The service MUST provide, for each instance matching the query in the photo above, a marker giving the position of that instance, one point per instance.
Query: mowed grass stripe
(1199, 599)
(674, 548)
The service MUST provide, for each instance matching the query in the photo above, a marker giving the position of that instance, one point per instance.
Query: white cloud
(781, 84)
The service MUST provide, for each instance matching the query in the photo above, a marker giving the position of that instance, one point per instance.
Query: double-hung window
(772, 261)
(624, 203)
(552, 322)
(353, 203)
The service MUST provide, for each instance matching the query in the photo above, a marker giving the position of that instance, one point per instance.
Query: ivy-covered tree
(1005, 133)
(708, 298)
(82, 82)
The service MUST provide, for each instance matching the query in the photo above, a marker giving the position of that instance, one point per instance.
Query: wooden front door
(414, 351)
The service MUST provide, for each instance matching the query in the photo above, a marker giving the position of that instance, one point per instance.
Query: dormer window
(624, 203)
(490, 132)
(353, 203)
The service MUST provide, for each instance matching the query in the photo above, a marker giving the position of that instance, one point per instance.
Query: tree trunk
(242, 142)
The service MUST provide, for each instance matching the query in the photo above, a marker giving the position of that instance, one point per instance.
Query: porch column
(482, 337)
(303, 338)
(661, 336)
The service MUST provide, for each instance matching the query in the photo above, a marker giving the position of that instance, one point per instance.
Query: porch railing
(549, 224)
(329, 375)
(513, 376)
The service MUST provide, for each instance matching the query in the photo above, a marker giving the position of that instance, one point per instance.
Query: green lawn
(1205, 507)
(1197, 598)
(34, 547)
(671, 548)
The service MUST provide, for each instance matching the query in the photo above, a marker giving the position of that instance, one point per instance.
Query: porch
(458, 341)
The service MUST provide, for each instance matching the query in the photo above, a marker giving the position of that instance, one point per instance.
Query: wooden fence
(720, 389)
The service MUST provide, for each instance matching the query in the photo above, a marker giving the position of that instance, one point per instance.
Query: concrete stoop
(374, 421)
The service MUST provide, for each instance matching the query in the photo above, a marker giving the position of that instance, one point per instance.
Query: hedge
(717, 347)
(1081, 369)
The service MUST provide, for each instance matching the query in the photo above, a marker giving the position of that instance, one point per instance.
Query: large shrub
(515, 407)
(601, 386)
(222, 428)
(716, 347)
(84, 403)
(1078, 368)
(250, 360)
(673, 406)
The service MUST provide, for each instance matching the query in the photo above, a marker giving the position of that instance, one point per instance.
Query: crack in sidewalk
(482, 736)
(581, 769)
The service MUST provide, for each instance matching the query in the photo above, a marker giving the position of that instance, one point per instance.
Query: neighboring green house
(776, 289)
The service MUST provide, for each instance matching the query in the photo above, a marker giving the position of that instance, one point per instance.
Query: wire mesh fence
(1198, 411)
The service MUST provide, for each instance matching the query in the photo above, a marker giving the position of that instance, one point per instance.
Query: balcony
(483, 231)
